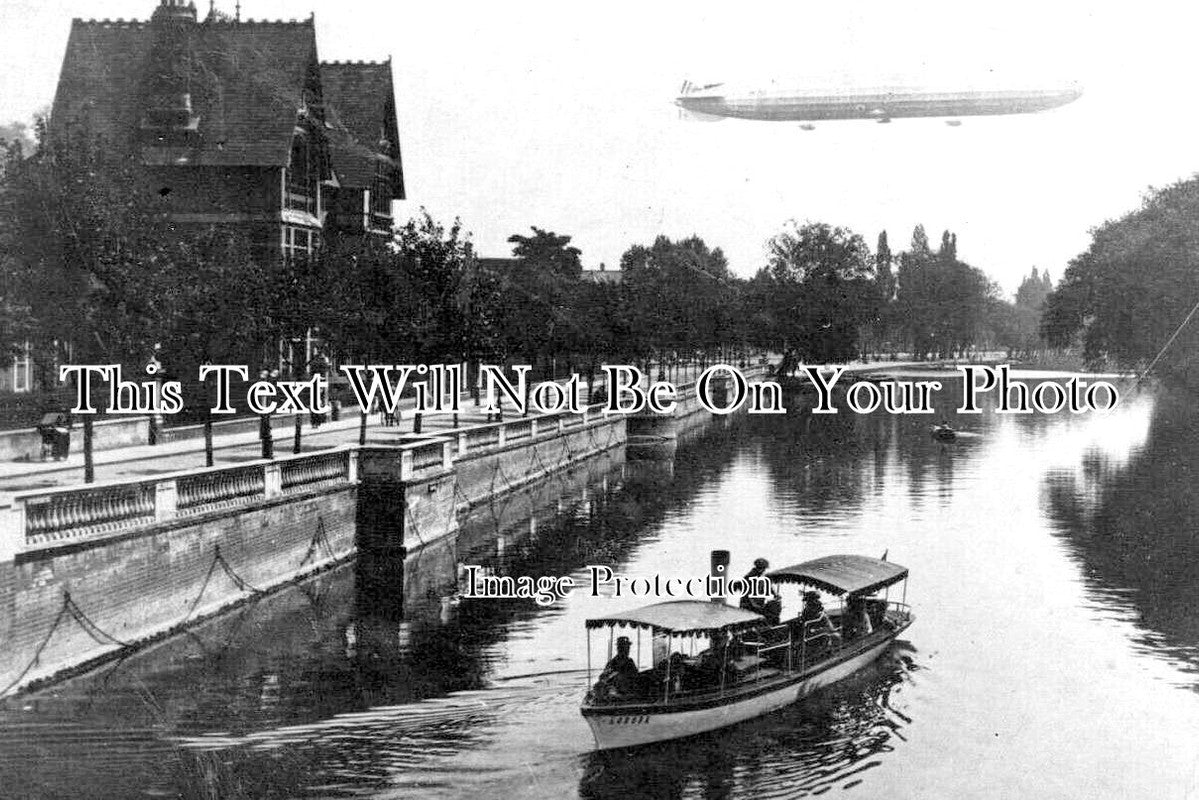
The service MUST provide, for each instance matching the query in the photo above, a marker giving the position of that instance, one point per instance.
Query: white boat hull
(629, 730)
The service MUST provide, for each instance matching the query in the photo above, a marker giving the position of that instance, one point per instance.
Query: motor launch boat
(702, 665)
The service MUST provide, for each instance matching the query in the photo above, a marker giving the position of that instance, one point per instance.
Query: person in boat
(857, 618)
(672, 674)
(767, 608)
(815, 624)
(714, 662)
(620, 675)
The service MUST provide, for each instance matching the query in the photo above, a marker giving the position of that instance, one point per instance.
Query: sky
(560, 115)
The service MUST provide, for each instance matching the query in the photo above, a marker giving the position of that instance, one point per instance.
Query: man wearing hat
(760, 605)
(621, 671)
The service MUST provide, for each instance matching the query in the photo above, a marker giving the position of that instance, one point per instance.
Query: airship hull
(876, 104)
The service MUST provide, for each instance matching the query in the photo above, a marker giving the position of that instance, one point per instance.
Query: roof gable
(245, 82)
(361, 110)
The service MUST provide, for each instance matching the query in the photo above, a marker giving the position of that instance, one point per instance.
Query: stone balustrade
(302, 474)
(212, 489)
(80, 512)
(427, 454)
(36, 520)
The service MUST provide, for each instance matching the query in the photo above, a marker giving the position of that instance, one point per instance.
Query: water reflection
(1129, 511)
(377, 680)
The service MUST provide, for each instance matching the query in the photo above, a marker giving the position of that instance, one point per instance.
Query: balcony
(299, 198)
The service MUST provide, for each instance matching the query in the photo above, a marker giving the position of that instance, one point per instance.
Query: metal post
(264, 433)
(724, 661)
(208, 460)
(666, 686)
(790, 650)
(264, 421)
(89, 462)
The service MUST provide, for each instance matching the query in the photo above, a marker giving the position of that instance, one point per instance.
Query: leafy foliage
(1136, 283)
(820, 288)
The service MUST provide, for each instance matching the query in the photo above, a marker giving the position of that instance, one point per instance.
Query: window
(297, 242)
(380, 194)
(22, 371)
(301, 185)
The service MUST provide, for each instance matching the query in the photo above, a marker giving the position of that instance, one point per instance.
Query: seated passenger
(714, 662)
(619, 677)
(857, 619)
(755, 605)
(668, 673)
(815, 624)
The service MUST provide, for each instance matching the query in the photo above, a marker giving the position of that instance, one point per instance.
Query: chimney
(175, 11)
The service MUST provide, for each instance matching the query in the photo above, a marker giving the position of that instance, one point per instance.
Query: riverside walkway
(144, 461)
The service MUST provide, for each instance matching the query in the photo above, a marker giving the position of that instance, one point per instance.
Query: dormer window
(170, 119)
(303, 174)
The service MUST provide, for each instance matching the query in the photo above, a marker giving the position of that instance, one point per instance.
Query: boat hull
(616, 730)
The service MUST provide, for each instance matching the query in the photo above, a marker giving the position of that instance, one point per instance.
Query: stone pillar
(273, 480)
(165, 498)
(12, 531)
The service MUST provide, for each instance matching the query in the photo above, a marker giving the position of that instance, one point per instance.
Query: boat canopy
(683, 617)
(842, 574)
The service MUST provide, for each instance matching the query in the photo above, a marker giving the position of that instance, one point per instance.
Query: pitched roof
(683, 617)
(246, 82)
(842, 574)
(361, 110)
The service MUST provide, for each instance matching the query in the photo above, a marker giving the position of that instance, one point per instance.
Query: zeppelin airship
(715, 101)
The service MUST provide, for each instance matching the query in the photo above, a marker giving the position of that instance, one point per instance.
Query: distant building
(498, 266)
(236, 122)
(603, 275)
(505, 266)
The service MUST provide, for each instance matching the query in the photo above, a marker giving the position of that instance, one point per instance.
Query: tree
(881, 332)
(679, 294)
(822, 288)
(942, 303)
(541, 307)
(1129, 292)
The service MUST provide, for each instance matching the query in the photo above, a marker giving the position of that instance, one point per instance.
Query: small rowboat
(745, 666)
(943, 432)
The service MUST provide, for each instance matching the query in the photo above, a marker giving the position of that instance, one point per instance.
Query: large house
(236, 122)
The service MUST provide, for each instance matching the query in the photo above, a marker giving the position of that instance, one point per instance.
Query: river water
(1055, 653)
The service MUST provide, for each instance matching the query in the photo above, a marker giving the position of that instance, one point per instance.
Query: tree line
(93, 270)
(1130, 300)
